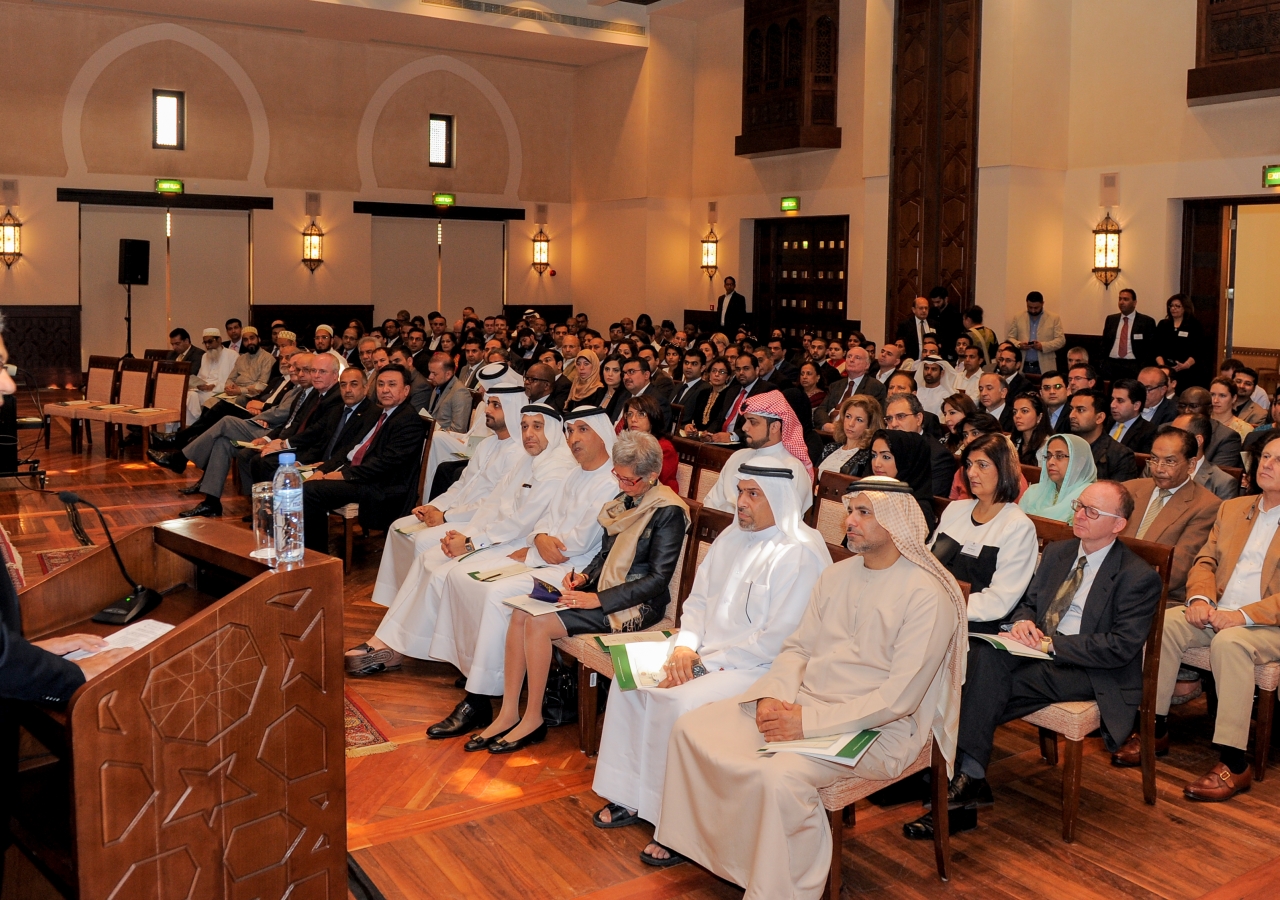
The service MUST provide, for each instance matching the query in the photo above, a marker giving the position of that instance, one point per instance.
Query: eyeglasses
(1091, 512)
(1058, 457)
(530, 378)
(626, 482)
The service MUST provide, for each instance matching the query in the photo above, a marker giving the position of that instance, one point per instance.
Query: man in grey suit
(856, 381)
(450, 402)
(1204, 472)
(1222, 448)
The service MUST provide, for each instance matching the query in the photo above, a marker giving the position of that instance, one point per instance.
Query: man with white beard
(504, 515)
(471, 627)
(748, 596)
(215, 369)
(937, 374)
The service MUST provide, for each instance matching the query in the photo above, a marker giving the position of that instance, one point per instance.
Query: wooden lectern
(210, 764)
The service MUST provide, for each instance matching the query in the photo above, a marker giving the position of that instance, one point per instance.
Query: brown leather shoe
(1219, 784)
(1130, 754)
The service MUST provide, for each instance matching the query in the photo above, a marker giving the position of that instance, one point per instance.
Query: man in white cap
(324, 344)
(251, 372)
(748, 596)
(471, 629)
(447, 445)
(881, 646)
(504, 515)
(215, 369)
(773, 438)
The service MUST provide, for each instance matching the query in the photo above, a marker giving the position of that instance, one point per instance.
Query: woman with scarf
(626, 587)
(907, 457)
(587, 388)
(1066, 469)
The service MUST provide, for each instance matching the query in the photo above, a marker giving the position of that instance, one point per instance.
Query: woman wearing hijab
(1066, 469)
(988, 541)
(907, 457)
(587, 388)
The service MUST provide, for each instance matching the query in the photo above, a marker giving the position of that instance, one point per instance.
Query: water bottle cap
(287, 459)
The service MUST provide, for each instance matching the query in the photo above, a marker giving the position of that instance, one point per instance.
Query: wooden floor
(428, 820)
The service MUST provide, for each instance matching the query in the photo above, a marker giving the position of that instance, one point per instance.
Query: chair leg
(834, 876)
(349, 536)
(1071, 789)
(1262, 737)
(48, 425)
(941, 836)
(1147, 735)
(588, 712)
(1049, 746)
(849, 816)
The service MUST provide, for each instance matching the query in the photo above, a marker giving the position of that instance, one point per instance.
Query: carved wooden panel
(801, 275)
(933, 176)
(790, 55)
(1237, 51)
(44, 341)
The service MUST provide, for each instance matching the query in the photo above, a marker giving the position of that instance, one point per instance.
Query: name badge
(1138, 337)
(1183, 334)
(973, 548)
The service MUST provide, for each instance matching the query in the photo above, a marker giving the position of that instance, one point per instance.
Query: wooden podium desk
(210, 764)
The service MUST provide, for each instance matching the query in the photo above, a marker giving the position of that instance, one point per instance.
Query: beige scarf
(627, 525)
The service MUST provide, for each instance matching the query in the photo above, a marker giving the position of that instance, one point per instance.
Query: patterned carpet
(52, 560)
(364, 738)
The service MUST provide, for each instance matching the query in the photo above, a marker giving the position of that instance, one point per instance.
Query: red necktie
(1124, 337)
(364, 448)
(733, 410)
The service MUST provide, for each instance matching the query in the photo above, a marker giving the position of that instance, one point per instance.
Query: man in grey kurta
(881, 646)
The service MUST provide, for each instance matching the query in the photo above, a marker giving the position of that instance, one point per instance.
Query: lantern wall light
(312, 246)
(711, 244)
(541, 242)
(1106, 250)
(10, 239)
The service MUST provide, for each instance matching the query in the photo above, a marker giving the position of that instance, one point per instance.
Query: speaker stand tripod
(128, 321)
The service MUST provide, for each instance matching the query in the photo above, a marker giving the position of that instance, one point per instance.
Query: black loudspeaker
(135, 261)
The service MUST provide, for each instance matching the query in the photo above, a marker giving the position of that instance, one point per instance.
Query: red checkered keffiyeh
(775, 406)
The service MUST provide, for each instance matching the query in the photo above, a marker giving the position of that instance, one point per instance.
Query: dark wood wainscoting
(45, 342)
(302, 320)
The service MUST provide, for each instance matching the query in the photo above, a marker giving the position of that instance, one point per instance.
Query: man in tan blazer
(1233, 608)
(1169, 507)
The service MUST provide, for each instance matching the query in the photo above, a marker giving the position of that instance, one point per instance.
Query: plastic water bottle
(287, 490)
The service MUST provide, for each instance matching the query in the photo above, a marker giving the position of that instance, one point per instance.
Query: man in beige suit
(1169, 507)
(1233, 608)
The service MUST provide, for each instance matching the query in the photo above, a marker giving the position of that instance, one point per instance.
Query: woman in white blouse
(988, 541)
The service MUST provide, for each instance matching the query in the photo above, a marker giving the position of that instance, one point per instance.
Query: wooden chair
(1031, 473)
(1234, 471)
(705, 526)
(155, 355)
(1076, 720)
(135, 390)
(167, 401)
(101, 385)
(687, 454)
(827, 513)
(940, 504)
(711, 460)
(1144, 460)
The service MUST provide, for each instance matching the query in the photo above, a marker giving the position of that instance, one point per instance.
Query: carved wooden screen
(1237, 51)
(933, 179)
(801, 275)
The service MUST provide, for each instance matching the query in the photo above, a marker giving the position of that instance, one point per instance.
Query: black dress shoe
(209, 508)
(164, 442)
(466, 716)
(191, 489)
(958, 820)
(969, 792)
(537, 736)
(478, 743)
(175, 462)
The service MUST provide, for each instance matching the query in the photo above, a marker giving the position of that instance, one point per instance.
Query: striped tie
(1153, 510)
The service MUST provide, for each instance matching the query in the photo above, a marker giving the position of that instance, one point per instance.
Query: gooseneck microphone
(142, 600)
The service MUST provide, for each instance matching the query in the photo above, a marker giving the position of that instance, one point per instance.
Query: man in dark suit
(858, 380)
(350, 349)
(1159, 409)
(1054, 393)
(993, 399)
(182, 350)
(769, 371)
(1128, 338)
(947, 322)
(378, 472)
(731, 308)
(1008, 364)
(1113, 459)
(1127, 399)
(1089, 607)
(694, 388)
(1203, 472)
(747, 375)
(911, 331)
(788, 372)
(903, 412)
(1224, 445)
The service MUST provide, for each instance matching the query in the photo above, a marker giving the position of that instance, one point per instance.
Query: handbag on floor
(560, 703)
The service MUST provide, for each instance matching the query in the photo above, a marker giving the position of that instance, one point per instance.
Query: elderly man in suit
(1038, 334)
(1203, 472)
(1159, 408)
(903, 412)
(182, 350)
(1128, 338)
(857, 380)
(912, 331)
(1233, 609)
(1089, 607)
(1222, 447)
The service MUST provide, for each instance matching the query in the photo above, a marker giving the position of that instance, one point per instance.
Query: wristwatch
(469, 545)
(699, 669)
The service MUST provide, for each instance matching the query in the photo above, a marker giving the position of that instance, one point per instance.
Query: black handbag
(560, 703)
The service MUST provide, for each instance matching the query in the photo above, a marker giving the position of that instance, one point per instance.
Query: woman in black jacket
(625, 588)
(1181, 344)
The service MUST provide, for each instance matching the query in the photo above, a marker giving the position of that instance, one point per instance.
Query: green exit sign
(168, 186)
(1270, 176)
(790, 204)
(443, 199)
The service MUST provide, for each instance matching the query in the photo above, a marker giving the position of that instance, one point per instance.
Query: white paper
(413, 528)
(533, 607)
(647, 659)
(1015, 647)
(136, 635)
(501, 572)
(633, 637)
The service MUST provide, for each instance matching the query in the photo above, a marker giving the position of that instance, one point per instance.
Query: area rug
(363, 737)
(52, 560)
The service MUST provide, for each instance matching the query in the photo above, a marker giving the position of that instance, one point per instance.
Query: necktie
(733, 410)
(849, 389)
(368, 442)
(297, 405)
(1062, 601)
(1153, 510)
(920, 336)
(1124, 337)
(337, 432)
(1119, 430)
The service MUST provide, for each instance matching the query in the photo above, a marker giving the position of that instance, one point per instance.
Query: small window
(168, 120)
(440, 152)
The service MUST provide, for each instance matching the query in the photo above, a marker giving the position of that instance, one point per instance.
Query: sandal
(370, 661)
(619, 817)
(674, 859)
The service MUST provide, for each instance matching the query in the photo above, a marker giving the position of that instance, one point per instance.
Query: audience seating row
(114, 388)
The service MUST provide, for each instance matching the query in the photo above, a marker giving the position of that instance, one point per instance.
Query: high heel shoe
(479, 742)
(537, 736)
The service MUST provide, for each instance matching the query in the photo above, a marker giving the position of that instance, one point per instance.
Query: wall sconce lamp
(312, 246)
(10, 239)
(1106, 250)
(541, 243)
(710, 244)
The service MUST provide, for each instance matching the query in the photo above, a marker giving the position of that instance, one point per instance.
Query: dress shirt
(1120, 326)
(1031, 356)
(1070, 621)
(1155, 495)
(744, 392)
(337, 432)
(1054, 414)
(996, 412)
(1121, 429)
(1245, 584)
(368, 438)
(1148, 412)
(685, 388)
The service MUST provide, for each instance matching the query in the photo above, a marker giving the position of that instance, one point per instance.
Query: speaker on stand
(135, 268)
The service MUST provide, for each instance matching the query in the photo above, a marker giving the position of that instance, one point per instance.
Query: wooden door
(802, 276)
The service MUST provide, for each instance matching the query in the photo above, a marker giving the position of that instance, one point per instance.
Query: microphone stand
(142, 600)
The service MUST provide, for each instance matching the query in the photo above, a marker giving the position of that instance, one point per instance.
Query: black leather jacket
(648, 581)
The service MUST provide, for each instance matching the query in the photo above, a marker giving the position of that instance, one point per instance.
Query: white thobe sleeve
(450, 501)
(526, 516)
(790, 584)
(580, 532)
(693, 613)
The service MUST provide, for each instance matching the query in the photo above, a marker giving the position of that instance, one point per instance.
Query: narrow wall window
(440, 152)
(168, 120)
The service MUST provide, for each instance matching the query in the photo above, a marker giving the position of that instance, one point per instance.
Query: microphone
(142, 600)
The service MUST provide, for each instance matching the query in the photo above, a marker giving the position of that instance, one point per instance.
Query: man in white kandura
(215, 369)
(505, 514)
(881, 646)
(773, 432)
(748, 596)
(471, 625)
(445, 445)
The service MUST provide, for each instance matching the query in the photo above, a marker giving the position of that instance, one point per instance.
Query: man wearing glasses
(1160, 408)
(537, 383)
(903, 412)
(1088, 610)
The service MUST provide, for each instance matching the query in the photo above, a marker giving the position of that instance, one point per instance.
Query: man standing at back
(1128, 338)
(911, 331)
(1038, 334)
(731, 308)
